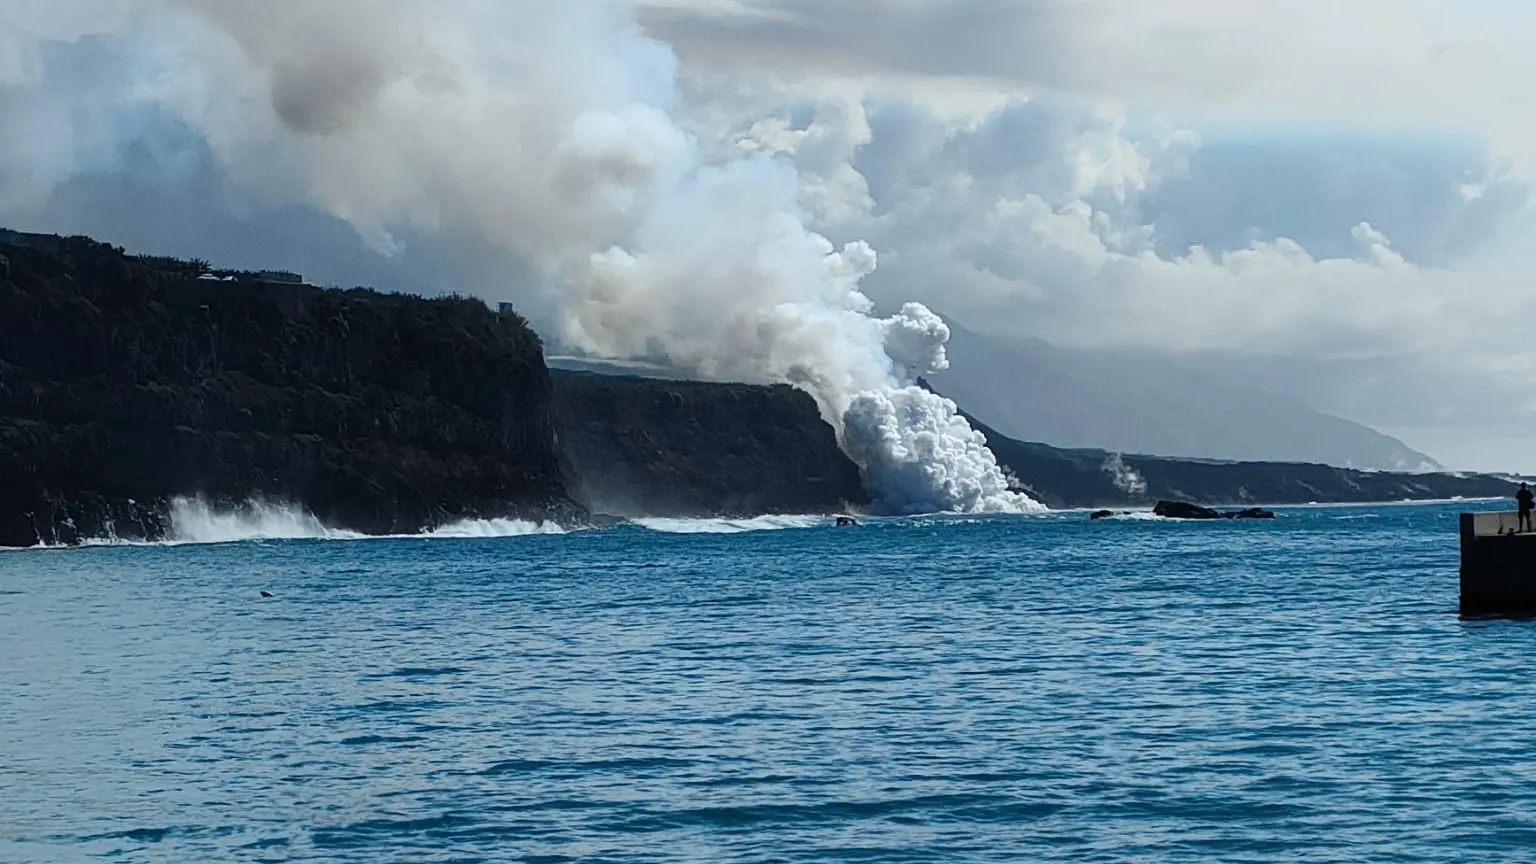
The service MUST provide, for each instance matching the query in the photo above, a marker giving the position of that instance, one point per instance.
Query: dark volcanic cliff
(125, 382)
(648, 447)
(1088, 478)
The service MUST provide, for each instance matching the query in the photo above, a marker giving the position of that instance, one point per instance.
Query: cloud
(1417, 64)
(1384, 272)
(1438, 198)
(542, 135)
(1328, 202)
(1025, 39)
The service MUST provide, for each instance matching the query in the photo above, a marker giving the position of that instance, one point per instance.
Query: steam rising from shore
(1126, 478)
(547, 131)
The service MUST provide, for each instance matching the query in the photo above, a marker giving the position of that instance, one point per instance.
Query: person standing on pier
(1526, 501)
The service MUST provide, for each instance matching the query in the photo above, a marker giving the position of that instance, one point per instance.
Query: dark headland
(128, 381)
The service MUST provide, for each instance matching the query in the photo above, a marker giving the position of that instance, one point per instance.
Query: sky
(1329, 201)
(1326, 200)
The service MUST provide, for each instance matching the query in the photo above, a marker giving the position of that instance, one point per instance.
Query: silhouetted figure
(1526, 501)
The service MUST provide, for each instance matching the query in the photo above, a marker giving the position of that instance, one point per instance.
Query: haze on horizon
(1333, 206)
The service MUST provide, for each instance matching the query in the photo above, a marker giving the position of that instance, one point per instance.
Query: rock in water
(1184, 510)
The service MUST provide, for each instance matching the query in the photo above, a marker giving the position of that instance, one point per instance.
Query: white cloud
(1336, 190)
(1400, 63)
(1049, 218)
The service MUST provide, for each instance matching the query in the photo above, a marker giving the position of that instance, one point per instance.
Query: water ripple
(957, 690)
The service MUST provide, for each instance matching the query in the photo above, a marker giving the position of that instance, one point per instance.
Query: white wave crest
(1139, 516)
(731, 526)
(194, 520)
(472, 529)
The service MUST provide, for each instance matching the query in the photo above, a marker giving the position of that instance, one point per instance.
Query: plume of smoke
(1126, 478)
(547, 130)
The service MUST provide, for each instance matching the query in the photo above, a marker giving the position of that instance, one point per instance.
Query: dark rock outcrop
(651, 447)
(127, 381)
(1183, 510)
(1186, 510)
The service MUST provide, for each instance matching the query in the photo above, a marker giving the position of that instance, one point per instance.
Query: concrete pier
(1498, 567)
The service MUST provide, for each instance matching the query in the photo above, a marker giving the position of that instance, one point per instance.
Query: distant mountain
(1124, 403)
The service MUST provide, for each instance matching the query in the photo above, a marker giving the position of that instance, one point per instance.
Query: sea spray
(490, 529)
(196, 521)
(546, 136)
(731, 526)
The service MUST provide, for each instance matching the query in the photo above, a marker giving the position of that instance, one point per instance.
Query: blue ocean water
(957, 690)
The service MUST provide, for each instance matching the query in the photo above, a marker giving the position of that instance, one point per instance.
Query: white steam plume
(1126, 478)
(548, 130)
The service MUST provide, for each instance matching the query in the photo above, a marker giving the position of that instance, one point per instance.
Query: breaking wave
(195, 521)
(731, 526)
(1138, 516)
(489, 529)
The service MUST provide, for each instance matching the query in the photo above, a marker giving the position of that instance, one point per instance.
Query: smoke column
(1126, 478)
(547, 130)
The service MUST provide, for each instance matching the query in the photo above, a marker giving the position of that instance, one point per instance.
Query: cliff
(650, 447)
(659, 446)
(1094, 478)
(127, 381)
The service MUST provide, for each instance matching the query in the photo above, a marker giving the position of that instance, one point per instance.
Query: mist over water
(543, 137)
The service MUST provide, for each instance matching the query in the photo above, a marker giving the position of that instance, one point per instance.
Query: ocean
(937, 689)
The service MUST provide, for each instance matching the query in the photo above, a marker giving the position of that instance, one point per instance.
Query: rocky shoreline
(127, 382)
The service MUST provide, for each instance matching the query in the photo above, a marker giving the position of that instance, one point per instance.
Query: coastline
(515, 531)
(137, 382)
